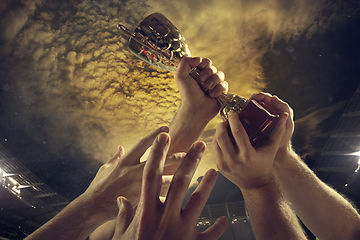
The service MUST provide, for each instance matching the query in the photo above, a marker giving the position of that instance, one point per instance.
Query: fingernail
(285, 115)
(163, 128)
(212, 172)
(119, 203)
(223, 218)
(200, 146)
(163, 138)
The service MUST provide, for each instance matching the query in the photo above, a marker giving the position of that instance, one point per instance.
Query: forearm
(324, 211)
(271, 217)
(75, 221)
(186, 128)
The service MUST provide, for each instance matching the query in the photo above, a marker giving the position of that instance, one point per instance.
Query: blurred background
(71, 91)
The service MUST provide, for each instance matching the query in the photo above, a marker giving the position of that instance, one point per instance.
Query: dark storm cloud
(68, 66)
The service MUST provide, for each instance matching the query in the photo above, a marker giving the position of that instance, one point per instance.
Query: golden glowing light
(73, 67)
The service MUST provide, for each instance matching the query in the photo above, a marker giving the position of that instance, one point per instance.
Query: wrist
(256, 184)
(283, 154)
(76, 221)
(192, 116)
(186, 128)
(264, 190)
(90, 210)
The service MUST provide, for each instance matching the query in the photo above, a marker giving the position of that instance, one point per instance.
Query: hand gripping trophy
(158, 42)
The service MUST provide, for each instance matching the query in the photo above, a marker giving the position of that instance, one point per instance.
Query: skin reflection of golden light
(77, 73)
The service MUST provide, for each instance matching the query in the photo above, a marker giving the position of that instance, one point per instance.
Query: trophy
(158, 42)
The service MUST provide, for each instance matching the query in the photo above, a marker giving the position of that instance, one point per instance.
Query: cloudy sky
(71, 91)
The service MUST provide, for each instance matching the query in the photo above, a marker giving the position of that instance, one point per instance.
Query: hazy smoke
(77, 85)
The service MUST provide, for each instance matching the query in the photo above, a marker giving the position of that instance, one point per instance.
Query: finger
(205, 63)
(206, 73)
(136, 152)
(219, 89)
(183, 176)
(193, 61)
(216, 230)
(261, 96)
(152, 176)
(282, 106)
(213, 80)
(272, 102)
(199, 197)
(276, 136)
(120, 153)
(124, 217)
(265, 100)
(276, 106)
(172, 163)
(185, 65)
(223, 139)
(220, 162)
(237, 129)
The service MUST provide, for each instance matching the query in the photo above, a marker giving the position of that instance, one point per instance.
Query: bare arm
(120, 176)
(324, 211)
(196, 109)
(154, 220)
(251, 170)
(75, 221)
(271, 217)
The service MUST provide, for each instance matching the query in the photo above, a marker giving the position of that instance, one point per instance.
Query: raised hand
(154, 219)
(237, 160)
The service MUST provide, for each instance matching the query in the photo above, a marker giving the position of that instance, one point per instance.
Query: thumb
(124, 217)
(276, 136)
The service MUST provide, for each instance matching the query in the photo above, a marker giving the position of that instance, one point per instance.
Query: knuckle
(207, 61)
(236, 132)
(141, 142)
(151, 174)
(180, 182)
(197, 198)
(104, 167)
(221, 166)
(158, 151)
(192, 158)
(213, 69)
(246, 156)
(232, 165)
